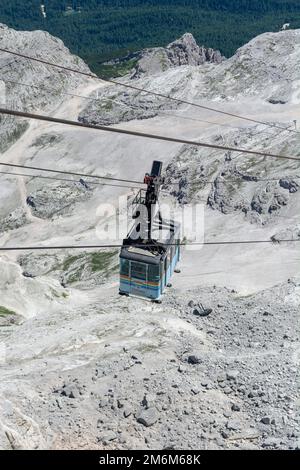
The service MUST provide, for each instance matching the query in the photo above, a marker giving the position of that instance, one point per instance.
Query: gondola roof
(150, 251)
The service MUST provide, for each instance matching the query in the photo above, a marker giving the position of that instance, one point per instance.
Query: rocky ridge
(183, 51)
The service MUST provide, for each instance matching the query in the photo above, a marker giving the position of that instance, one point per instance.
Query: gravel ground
(207, 369)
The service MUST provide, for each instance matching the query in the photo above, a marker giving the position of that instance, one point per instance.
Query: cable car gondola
(152, 248)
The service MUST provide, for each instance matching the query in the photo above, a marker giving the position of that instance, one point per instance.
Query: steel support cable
(139, 134)
(137, 245)
(69, 180)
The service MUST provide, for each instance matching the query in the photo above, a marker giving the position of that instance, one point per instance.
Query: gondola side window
(172, 253)
(124, 270)
(153, 273)
(138, 270)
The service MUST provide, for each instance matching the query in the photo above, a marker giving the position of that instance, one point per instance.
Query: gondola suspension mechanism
(152, 248)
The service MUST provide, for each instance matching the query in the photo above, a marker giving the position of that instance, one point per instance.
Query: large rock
(194, 359)
(57, 199)
(107, 436)
(70, 391)
(147, 417)
(290, 184)
(232, 374)
(289, 233)
(201, 311)
(13, 220)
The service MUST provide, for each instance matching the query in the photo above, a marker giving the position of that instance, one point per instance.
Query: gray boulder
(289, 184)
(107, 437)
(194, 359)
(147, 417)
(70, 391)
(232, 374)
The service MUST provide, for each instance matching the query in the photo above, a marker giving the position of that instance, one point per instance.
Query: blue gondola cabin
(146, 269)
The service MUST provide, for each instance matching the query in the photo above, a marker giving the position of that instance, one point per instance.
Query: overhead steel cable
(191, 182)
(142, 90)
(69, 180)
(115, 130)
(99, 183)
(116, 245)
(72, 173)
(238, 180)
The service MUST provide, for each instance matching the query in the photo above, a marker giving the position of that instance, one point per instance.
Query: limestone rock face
(183, 51)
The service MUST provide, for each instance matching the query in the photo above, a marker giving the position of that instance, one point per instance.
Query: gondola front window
(138, 270)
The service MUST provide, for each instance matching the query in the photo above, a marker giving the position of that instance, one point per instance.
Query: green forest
(99, 30)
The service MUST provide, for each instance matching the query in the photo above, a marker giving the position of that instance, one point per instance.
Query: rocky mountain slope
(29, 85)
(261, 70)
(71, 350)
